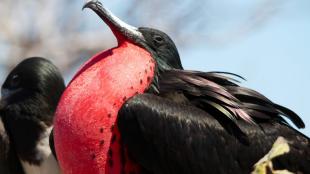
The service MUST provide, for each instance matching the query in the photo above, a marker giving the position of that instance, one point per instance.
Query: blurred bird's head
(33, 83)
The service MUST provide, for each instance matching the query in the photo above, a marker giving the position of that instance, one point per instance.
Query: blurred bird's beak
(4, 95)
(121, 30)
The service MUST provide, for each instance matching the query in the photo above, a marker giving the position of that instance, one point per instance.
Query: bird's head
(158, 43)
(35, 82)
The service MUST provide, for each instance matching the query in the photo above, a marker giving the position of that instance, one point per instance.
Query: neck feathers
(47, 163)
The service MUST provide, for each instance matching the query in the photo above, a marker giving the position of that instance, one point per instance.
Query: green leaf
(280, 147)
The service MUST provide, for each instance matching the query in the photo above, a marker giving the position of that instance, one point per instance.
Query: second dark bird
(29, 97)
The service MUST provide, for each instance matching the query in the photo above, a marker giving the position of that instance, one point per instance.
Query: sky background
(275, 59)
(272, 51)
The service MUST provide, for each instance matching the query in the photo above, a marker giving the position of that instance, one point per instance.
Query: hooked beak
(121, 30)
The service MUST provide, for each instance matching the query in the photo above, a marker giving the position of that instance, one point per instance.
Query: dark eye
(15, 81)
(158, 39)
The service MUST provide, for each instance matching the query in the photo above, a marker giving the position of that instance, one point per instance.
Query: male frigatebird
(29, 97)
(132, 109)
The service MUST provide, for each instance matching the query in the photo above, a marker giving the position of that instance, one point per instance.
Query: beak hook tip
(91, 4)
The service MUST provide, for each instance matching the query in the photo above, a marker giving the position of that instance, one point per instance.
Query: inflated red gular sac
(86, 136)
(133, 109)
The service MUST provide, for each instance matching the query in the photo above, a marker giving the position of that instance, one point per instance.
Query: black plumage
(29, 98)
(52, 144)
(168, 137)
(236, 101)
(219, 90)
(9, 162)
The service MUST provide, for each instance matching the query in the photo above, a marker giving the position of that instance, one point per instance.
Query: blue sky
(275, 58)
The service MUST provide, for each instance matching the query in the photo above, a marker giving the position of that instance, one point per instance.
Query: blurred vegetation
(60, 31)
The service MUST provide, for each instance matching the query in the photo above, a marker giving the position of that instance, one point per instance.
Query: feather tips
(222, 93)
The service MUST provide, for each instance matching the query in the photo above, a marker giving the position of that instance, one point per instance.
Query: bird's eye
(15, 81)
(158, 39)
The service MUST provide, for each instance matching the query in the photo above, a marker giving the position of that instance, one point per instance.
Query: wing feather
(167, 137)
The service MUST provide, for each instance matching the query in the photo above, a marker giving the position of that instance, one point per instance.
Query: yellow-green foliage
(264, 166)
